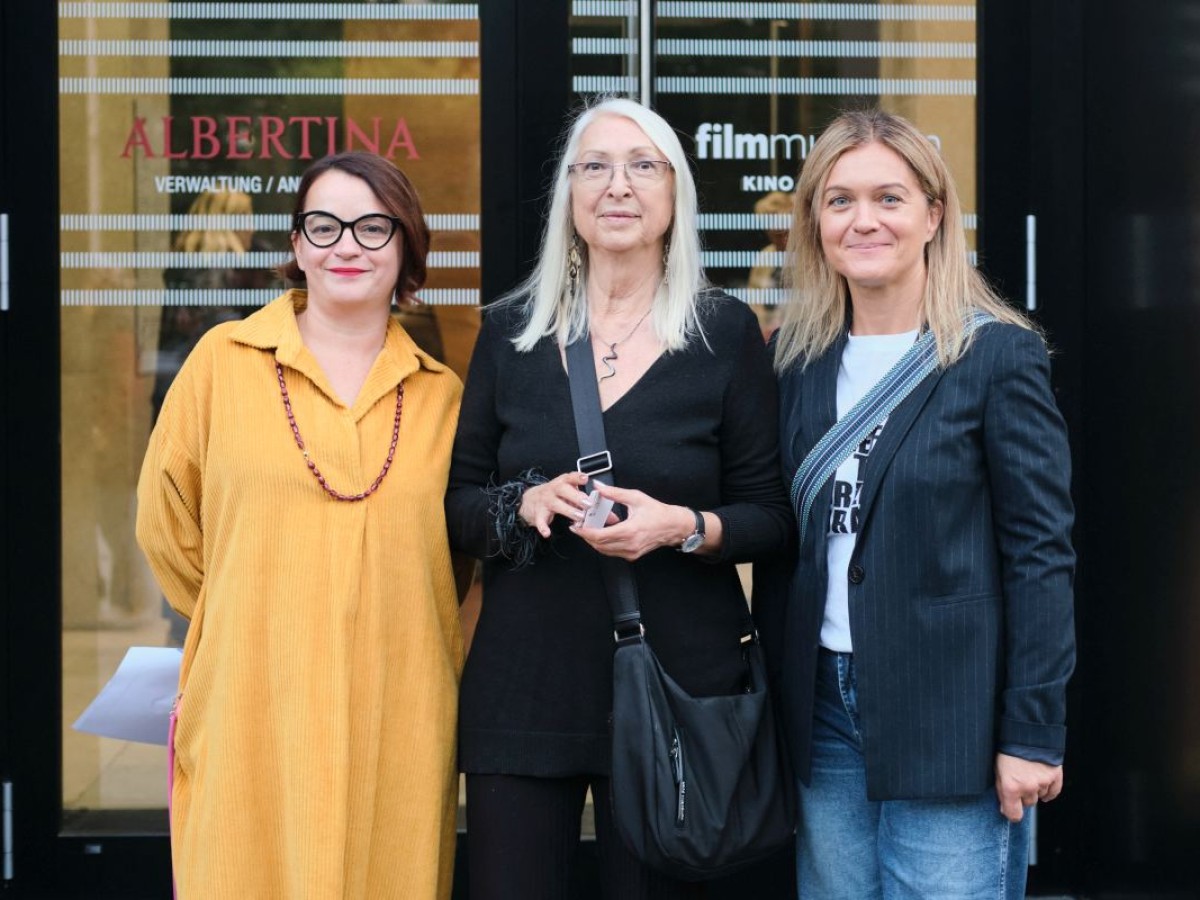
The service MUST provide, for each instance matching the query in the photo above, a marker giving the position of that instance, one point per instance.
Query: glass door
(150, 155)
(751, 85)
(182, 131)
(184, 134)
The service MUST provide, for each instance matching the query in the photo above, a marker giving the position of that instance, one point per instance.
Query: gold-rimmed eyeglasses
(597, 171)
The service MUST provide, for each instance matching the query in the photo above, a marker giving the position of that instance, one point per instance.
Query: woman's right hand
(559, 497)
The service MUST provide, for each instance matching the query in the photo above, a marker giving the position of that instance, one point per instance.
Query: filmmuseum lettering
(721, 141)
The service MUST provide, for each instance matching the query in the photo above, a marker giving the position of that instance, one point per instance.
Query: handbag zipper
(680, 781)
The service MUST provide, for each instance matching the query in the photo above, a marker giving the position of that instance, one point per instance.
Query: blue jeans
(858, 849)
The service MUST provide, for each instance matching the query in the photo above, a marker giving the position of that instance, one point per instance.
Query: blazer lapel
(898, 425)
(818, 399)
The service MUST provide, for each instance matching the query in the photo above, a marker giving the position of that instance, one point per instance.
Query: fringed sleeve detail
(515, 541)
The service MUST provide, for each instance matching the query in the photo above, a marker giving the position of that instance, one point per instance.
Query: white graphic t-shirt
(865, 360)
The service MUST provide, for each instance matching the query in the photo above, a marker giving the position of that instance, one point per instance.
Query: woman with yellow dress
(290, 505)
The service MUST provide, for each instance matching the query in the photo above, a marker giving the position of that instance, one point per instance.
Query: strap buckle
(633, 633)
(628, 628)
(594, 463)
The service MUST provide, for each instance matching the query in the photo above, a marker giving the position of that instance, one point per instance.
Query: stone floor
(101, 773)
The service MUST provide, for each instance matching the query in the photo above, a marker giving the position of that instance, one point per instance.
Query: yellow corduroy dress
(316, 732)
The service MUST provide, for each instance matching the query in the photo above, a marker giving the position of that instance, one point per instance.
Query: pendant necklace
(609, 358)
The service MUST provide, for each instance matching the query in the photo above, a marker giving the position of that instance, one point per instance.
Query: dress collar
(274, 328)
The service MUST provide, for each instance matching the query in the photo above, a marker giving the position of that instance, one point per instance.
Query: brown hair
(399, 199)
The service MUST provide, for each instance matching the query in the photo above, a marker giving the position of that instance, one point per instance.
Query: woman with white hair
(689, 408)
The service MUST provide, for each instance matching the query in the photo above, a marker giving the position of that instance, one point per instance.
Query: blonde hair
(817, 310)
(551, 308)
(217, 240)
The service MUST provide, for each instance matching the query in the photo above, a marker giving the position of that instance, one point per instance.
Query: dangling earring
(574, 263)
(666, 259)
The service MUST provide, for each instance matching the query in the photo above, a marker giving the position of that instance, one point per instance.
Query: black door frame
(525, 56)
(1030, 144)
(1032, 163)
(48, 859)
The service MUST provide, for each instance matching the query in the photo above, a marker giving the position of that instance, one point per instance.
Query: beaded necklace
(312, 466)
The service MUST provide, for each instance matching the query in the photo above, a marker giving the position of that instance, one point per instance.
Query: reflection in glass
(183, 133)
(754, 91)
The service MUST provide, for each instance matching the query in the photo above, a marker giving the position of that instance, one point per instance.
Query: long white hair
(549, 305)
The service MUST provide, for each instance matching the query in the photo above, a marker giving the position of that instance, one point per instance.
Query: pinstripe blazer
(961, 581)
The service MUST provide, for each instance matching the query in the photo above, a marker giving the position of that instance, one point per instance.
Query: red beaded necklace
(312, 466)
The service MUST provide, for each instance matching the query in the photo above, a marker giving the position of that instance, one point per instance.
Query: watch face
(691, 542)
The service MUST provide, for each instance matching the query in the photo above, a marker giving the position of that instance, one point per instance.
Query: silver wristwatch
(695, 540)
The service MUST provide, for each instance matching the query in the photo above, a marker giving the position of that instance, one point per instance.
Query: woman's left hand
(648, 526)
(1022, 782)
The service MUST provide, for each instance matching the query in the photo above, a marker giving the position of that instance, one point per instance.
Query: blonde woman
(925, 635)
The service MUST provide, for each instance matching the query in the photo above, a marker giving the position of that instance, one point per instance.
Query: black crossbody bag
(701, 786)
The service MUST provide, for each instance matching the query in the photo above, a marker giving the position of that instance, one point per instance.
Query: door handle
(1031, 263)
(3, 262)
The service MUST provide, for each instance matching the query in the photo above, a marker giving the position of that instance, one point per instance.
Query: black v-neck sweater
(699, 429)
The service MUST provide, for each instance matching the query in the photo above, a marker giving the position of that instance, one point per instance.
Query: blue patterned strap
(835, 447)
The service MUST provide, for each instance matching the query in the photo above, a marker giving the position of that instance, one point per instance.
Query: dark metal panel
(1031, 126)
(1056, 179)
(1101, 145)
(525, 95)
(1141, 276)
(1003, 142)
(6, 425)
(30, 479)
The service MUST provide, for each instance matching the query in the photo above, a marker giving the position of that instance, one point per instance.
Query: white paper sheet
(135, 705)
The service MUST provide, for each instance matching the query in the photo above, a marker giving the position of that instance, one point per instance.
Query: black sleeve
(473, 464)
(1029, 466)
(754, 511)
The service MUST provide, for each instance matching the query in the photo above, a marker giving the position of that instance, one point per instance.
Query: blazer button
(857, 574)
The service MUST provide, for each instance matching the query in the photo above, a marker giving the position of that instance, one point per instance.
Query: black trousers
(523, 840)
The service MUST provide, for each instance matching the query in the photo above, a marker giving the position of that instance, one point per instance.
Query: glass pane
(605, 47)
(749, 87)
(184, 130)
(753, 85)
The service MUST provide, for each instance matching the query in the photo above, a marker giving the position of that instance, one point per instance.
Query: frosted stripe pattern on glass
(873, 12)
(765, 296)
(273, 49)
(605, 46)
(456, 259)
(182, 222)
(604, 9)
(842, 87)
(271, 86)
(753, 222)
(258, 297)
(811, 49)
(604, 84)
(272, 11)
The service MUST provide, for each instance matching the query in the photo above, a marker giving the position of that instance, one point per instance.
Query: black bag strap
(595, 460)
